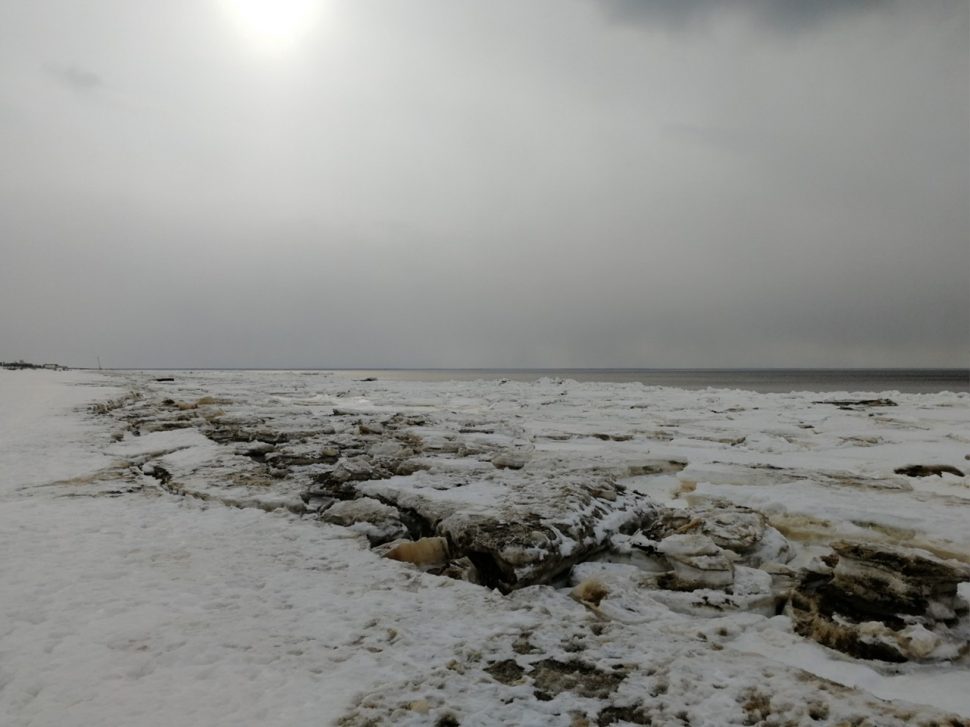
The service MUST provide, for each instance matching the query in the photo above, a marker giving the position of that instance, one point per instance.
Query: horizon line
(525, 368)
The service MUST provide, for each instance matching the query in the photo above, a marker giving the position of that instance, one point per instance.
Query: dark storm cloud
(75, 77)
(787, 16)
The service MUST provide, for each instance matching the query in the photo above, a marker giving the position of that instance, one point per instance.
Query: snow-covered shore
(164, 563)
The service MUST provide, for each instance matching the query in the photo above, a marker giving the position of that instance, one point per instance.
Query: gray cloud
(786, 16)
(486, 184)
(75, 77)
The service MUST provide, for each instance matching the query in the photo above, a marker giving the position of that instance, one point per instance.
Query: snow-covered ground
(159, 568)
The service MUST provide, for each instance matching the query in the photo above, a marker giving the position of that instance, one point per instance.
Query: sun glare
(273, 24)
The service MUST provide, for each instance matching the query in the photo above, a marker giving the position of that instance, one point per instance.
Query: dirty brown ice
(474, 498)
(478, 502)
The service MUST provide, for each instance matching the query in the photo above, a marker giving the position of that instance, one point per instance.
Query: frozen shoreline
(127, 604)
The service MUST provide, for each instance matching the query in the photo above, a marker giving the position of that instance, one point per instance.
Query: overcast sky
(448, 183)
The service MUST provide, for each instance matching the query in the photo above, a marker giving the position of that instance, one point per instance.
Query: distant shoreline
(27, 366)
(965, 371)
(777, 380)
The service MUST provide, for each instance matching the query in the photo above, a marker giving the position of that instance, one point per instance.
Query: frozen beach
(214, 550)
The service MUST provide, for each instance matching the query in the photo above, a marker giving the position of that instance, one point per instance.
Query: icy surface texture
(291, 548)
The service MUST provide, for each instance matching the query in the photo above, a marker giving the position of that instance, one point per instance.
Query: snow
(945, 688)
(161, 611)
(125, 602)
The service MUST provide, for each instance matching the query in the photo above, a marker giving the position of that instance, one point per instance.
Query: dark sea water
(915, 381)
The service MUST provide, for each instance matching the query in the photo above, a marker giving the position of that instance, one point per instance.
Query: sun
(273, 24)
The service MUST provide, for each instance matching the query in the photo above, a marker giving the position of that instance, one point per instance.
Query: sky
(448, 183)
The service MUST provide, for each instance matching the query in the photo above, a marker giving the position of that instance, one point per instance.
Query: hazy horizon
(519, 368)
(559, 184)
(770, 380)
